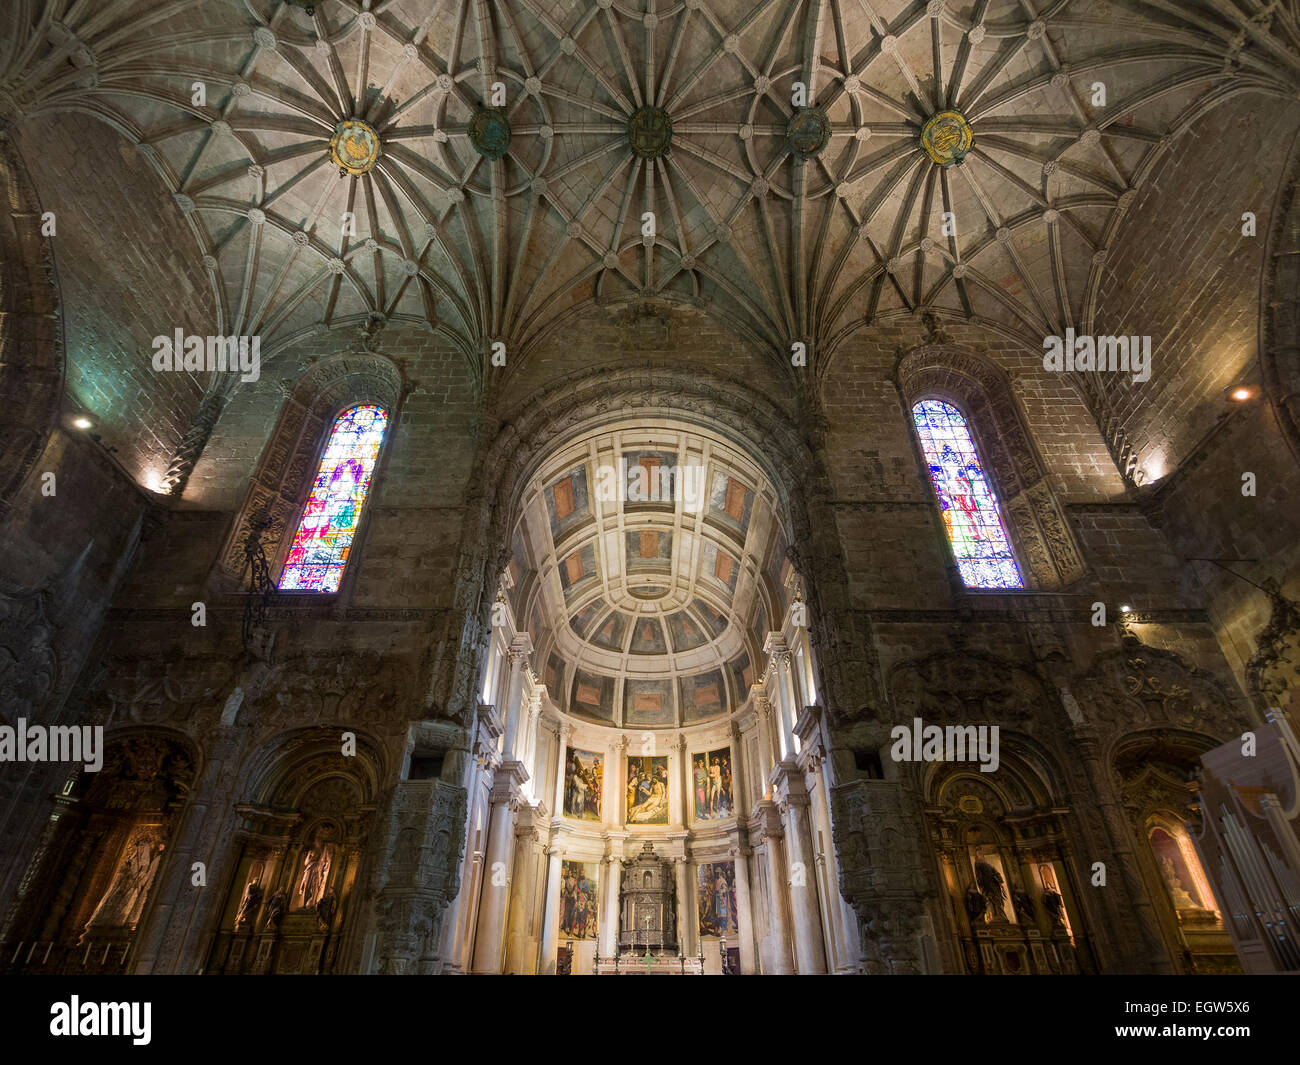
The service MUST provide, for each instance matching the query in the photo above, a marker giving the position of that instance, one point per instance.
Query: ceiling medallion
(489, 132)
(650, 132)
(947, 137)
(807, 132)
(354, 147)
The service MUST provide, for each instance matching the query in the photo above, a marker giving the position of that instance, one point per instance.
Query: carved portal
(294, 897)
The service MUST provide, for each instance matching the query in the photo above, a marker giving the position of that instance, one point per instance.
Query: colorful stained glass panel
(320, 547)
(970, 506)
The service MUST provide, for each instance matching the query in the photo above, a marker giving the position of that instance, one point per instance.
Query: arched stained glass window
(329, 520)
(970, 506)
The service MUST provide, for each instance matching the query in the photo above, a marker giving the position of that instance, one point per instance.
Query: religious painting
(702, 696)
(717, 899)
(579, 899)
(584, 774)
(648, 702)
(647, 790)
(711, 782)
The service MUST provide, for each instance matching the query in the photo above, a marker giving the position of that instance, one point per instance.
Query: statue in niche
(976, 904)
(1024, 906)
(121, 905)
(248, 908)
(315, 873)
(991, 885)
(1182, 900)
(275, 907)
(1052, 901)
(326, 908)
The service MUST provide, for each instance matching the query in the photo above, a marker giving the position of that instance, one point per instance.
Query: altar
(630, 963)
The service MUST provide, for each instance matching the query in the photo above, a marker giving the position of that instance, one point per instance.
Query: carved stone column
(613, 891)
(685, 907)
(782, 958)
(810, 948)
(745, 917)
(778, 664)
(677, 777)
(521, 891)
(520, 648)
(421, 861)
(505, 798)
(551, 914)
(766, 715)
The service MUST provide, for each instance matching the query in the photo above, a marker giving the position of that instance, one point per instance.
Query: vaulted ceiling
(517, 169)
(648, 566)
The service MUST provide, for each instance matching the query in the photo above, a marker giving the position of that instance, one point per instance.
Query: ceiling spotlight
(1241, 394)
(82, 422)
(1124, 608)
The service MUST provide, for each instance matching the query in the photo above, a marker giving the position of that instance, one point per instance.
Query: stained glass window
(969, 504)
(329, 521)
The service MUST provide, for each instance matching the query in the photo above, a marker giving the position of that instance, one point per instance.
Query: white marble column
(685, 907)
(488, 949)
(610, 913)
(782, 959)
(810, 948)
(765, 713)
(619, 814)
(778, 665)
(520, 648)
(745, 911)
(677, 789)
(551, 913)
(521, 893)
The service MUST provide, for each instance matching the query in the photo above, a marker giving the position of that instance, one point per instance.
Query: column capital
(566, 731)
(774, 644)
(677, 743)
(520, 647)
(621, 743)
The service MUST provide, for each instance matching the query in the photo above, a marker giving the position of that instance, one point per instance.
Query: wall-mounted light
(82, 422)
(1124, 608)
(1240, 394)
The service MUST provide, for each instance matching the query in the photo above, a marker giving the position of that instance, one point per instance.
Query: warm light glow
(1241, 394)
(1124, 608)
(82, 422)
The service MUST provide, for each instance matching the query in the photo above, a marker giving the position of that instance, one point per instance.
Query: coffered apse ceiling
(503, 159)
(648, 566)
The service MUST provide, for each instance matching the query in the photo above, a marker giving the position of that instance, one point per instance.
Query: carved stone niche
(420, 872)
(1037, 524)
(288, 465)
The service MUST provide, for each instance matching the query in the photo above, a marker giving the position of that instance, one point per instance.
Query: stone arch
(285, 471)
(1154, 769)
(1039, 530)
(31, 329)
(299, 860)
(586, 400)
(1007, 865)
